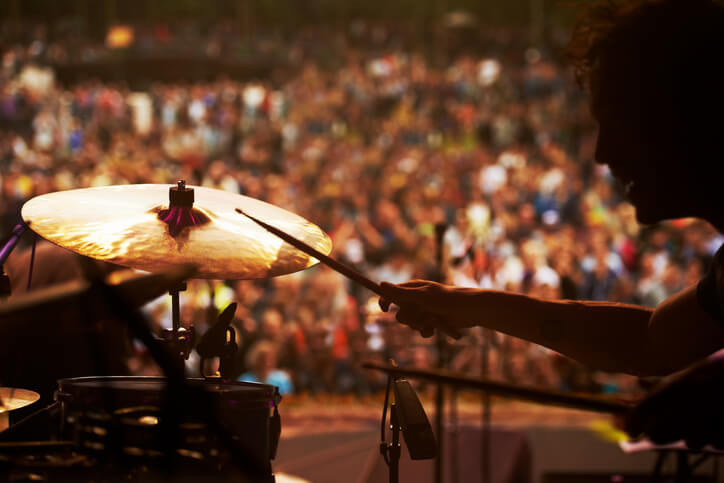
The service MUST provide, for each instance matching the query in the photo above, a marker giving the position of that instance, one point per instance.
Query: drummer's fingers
(435, 321)
(410, 316)
(429, 322)
(635, 422)
(399, 294)
(410, 293)
(663, 427)
(406, 315)
(427, 332)
(420, 321)
(384, 304)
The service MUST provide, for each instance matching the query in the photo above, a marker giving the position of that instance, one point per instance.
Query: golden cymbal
(124, 225)
(11, 398)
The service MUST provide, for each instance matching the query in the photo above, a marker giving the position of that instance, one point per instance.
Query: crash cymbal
(125, 225)
(11, 398)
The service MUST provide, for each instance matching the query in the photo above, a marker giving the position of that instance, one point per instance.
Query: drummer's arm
(611, 336)
(602, 335)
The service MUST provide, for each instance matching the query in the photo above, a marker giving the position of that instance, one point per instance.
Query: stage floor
(333, 440)
(304, 415)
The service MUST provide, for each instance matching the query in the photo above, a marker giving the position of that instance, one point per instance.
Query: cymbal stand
(180, 339)
(179, 216)
(176, 307)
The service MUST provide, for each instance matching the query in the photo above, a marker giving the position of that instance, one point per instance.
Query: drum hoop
(85, 380)
(260, 394)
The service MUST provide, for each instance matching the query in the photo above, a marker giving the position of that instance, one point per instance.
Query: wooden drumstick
(345, 270)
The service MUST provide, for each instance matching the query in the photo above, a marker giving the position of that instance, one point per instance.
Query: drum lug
(275, 432)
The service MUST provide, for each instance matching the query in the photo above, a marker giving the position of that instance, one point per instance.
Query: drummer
(655, 90)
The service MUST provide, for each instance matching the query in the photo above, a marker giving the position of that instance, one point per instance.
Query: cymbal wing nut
(181, 195)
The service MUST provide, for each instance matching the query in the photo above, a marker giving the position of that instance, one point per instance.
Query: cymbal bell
(11, 398)
(128, 225)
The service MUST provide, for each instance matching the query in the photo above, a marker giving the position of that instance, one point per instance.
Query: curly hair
(649, 27)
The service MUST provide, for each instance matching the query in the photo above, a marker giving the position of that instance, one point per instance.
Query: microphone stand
(486, 429)
(391, 451)
(407, 416)
(441, 345)
(440, 405)
(394, 450)
(485, 409)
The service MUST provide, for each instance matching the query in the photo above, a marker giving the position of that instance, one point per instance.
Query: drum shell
(123, 415)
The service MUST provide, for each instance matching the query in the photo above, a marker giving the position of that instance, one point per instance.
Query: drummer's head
(652, 68)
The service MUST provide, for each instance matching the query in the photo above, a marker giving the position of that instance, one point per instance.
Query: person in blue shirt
(262, 359)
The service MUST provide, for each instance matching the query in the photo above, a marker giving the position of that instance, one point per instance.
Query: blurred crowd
(490, 153)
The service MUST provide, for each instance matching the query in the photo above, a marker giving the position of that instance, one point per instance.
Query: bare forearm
(601, 335)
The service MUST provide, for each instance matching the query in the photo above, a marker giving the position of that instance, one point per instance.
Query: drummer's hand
(688, 407)
(423, 305)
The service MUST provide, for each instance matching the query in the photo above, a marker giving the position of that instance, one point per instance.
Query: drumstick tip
(242, 212)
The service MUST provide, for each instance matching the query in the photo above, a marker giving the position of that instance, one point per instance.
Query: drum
(219, 425)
